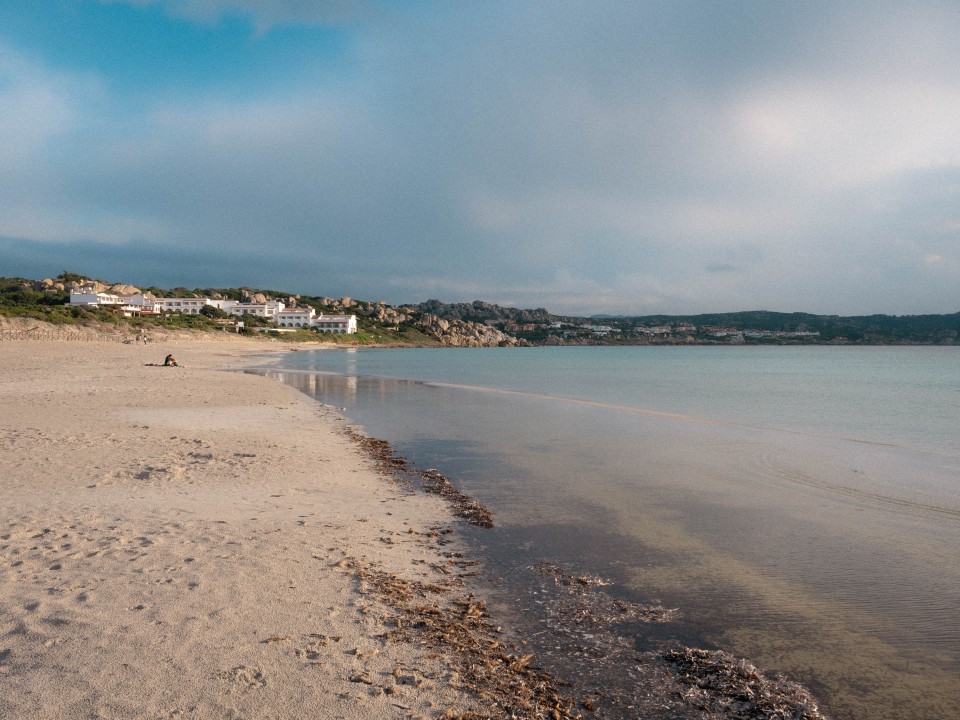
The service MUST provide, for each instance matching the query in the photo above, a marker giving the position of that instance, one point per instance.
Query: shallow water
(801, 506)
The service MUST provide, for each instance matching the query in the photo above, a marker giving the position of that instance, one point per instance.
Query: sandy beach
(187, 542)
(190, 542)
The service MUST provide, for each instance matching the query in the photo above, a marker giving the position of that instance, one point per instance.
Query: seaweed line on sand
(431, 480)
(458, 628)
(701, 684)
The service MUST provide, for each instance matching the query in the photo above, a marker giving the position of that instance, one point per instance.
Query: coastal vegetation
(480, 323)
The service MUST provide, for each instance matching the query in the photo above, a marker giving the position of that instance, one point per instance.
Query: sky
(600, 156)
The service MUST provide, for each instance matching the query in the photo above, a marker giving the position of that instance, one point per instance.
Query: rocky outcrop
(483, 312)
(250, 297)
(48, 285)
(123, 290)
(51, 285)
(463, 333)
(382, 313)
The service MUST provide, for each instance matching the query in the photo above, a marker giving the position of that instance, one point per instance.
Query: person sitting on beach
(169, 361)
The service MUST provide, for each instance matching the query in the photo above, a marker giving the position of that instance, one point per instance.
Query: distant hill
(865, 329)
(924, 329)
(483, 312)
(483, 323)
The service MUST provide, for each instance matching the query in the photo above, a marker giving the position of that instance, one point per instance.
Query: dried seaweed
(464, 506)
(583, 639)
(585, 606)
(500, 673)
(720, 683)
(431, 480)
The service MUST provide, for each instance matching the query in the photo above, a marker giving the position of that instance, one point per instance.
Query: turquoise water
(901, 395)
(800, 505)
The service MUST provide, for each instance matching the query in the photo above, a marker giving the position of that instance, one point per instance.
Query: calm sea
(799, 505)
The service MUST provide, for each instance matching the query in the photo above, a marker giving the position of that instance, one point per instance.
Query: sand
(184, 543)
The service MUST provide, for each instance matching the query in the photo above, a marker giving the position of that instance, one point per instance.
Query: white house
(266, 310)
(295, 317)
(86, 296)
(336, 323)
(185, 305)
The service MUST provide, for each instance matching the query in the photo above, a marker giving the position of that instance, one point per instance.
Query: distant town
(277, 312)
(72, 299)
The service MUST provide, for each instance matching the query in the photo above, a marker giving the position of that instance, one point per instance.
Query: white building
(266, 310)
(86, 296)
(335, 323)
(193, 305)
(225, 305)
(305, 317)
(273, 310)
(296, 317)
(185, 305)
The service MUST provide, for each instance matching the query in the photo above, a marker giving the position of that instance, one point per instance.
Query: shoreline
(172, 524)
(578, 636)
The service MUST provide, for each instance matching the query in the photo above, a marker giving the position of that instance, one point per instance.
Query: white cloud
(43, 114)
(35, 106)
(844, 133)
(264, 14)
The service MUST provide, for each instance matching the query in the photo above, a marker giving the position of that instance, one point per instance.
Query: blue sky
(621, 157)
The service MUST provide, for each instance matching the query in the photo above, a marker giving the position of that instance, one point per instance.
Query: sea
(798, 506)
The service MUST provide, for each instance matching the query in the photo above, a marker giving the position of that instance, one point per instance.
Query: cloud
(609, 157)
(40, 109)
(34, 106)
(264, 14)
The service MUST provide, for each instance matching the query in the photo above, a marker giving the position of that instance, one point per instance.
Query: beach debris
(430, 480)
(580, 602)
(587, 635)
(276, 639)
(361, 678)
(581, 630)
(379, 450)
(443, 619)
(720, 683)
(464, 506)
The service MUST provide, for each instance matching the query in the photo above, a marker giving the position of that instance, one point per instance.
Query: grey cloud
(606, 156)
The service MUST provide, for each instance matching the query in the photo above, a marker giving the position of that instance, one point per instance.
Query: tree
(212, 311)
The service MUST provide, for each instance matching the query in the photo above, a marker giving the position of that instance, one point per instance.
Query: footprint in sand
(246, 678)
(313, 649)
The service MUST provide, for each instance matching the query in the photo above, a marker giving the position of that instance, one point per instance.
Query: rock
(95, 284)
(48, 285)
(249, 297)
(463, 333)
